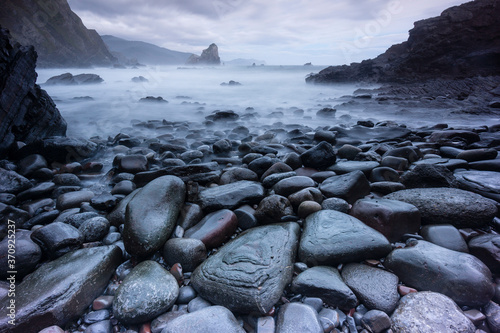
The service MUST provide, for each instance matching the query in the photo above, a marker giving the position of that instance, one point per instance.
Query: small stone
(265, 325)
(291, 185)
(306, 208)
(475, 316)
(337, 204)
(404, 290)
(246, 217)
(214, 229)
(95, 316)
(102, 302)
(94, 229)
(329, 319)
(350, 186)
(444, 235)
(189, 252)
(376, 321)
(66, 179)
(197, 304)
(320, 156)
(186, 294)
(272, 208)
(104, 326)
(131, 163)
(297, 317)
(124, 187)
(73, 199)
(57, 238)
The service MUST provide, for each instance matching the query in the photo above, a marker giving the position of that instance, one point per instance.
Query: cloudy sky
(324, 32)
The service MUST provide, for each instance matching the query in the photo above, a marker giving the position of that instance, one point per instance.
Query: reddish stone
(214, 229)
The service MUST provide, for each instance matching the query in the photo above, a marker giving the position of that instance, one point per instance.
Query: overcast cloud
(324, 32)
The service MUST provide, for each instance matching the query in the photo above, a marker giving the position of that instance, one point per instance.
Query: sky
(280, 32)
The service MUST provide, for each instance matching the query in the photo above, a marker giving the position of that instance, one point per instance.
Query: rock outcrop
(464, 41)
(209, 56)
(56, 32)
(27, 113)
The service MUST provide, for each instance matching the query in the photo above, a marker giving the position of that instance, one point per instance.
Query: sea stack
(209, 56)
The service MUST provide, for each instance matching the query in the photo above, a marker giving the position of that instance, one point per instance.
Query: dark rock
(386, 187)
(278, 167)
(236, 174)
(293, 160)
(31, 163)
(487, 249)
(42, 219)
(139, 79)
(95, 316)
(329, 319)
(429, 312)
(198, 303)
(306, 208)
(189, 215)
(320, 156)
(211, 319)
(124, 187)
(73, 199)
(12, 182)
(297, 317)
(448, 206)
(326, 283)
(485, 183)
(27, 255)
(8, 198)
(426, 266)
(382, 174)
(61, 149)
(307, 194)
(29, 113)
(230, 83)
(409, 153)
(61, 290)
(246, 217)
(341, 168)
(223, 116)
(273, 179)
(327, 136)
(429, 175)
(359, 134)
(350, 187)
(77, 219)
(348, 151)
(374, 287)
(104, 202)
(186, 294)
(222, 147)
(390, 217)
(70, 79)
(321, 176)
(260, 165)
(250, 272)
(214, 229)
(492, 312)
(40, 190)
(396, 163)
(151, 215)
(231, 196)
(57, 238)
(272, 208)
(337, 204)
(486, 165)
(473, 155)
(161, 321)
(66, 179)
(326, 113)
(376, 321)
(332, 237)
(148, 291)
(117, 216)
(444, 235)
(209, 56)
(12, 213)
(152, 99)
(292, 185)
(131, 163)
(104, 326)
(94, 229)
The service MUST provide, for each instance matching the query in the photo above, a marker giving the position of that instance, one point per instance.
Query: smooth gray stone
(189, 252)
(487, 249)
(231, 196)
(429, 312)
(366, 167)
(298, 318)
(151, 215)
(57, 238)
(376, 288)
(331, 237)
(117, 215)
(212, 319)
(104, 326)
(460, 208)
(485, 183)
(429, 267)
(492, 312)
(61, 290)
(146, 292)
(94, 229)
(350, 186)
(444, 235)
(249, 273)
(288, 186)
(325, 282)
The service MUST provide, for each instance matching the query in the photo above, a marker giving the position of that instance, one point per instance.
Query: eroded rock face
(249, 273)
(209, 56)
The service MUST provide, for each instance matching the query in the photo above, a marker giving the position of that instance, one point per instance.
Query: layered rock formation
(464, 41)
(27, 113)
(209, 56)
(56, 32)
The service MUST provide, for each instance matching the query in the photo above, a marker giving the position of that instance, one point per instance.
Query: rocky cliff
(27, 113)
(56, 32)
(464, 41)
(209, 56)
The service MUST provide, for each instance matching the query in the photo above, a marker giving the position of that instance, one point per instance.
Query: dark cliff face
(464, 41)
(56, 32)
(27, 113)
(209, 56)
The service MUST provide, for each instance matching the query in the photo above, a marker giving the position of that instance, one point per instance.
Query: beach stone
(104, 326)
(186, 294)
(448, 206)
(320, 156)
(211, 319)
(327, 136)
(124, 187)
(146, 292)
(131, 163)
(298, 318)
(189, 252)
(321, 176)
(386, 187)
(382, 174)
(246, 217)
(52, 329)
(61, 290)
(337, 204)
(41, 190)
(35, 206)
(273, 179)
(104, 201)
(429, 312)
(485, 183)
(444, 235)
(325, 282)
(66, 179)
(28, 254)
(31, 163)
(293, 160)
(102, 302)
(492, 313)
(272, 208)
(231, 196)
(265, 325)
(76, 220)
(151, 215)
(376, 321)
(160, 322)
(95, 316)
(291, 185)
(189, 215)
(57, 238)
(350, 186)
(197, 304)
(41, 219)
(344, 167)
(261, 165)
(307, 194)
(473, 155)
(214, 229)
(374, 287)
(331, 238)
(486, 165)
(73, 199)
(306, 208)
(409, 153)
(348, 151)
(396, 163)
(429, 175)
(8, 198)
(250, 272)
(12, 182)
(487, 249)
(278, 167)
(390, 217)
(94, 229)
(237, 174)
(429, 267)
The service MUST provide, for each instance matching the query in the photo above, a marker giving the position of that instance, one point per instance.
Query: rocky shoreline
(216, 226)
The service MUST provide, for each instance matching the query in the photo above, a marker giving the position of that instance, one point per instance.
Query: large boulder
(61, 290)
(250, 273)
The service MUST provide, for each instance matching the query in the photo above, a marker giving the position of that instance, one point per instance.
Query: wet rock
(104, 201)
(102, 302)
(444, 235)
(429, 267)
(95, 316)
(27, 255)
(473, 155)
(319, 157)
(124, 187)
(272, 208)
(429, 312)
(386, 187)
(41, 219)
(446, 136)
(429, 175)
(222, 147)
(273, 179)
(374, 287)
(231, 196)
(291, 185)
(189, 215)
(236, 174)
(390, 217)
(41, 190)
(307, 194)
(278, 167)
(189, 252)
(104, 326)
(210, 319)
(73, 199)
(131, 163)
(214, 229)
(376, 321)
(296, 318)
(409, 153)
(61, 149)
(332, 237)
(12, 182)
(486, 165)
(145, 293)
(293, 160)
(348, 151)
(52, 329)
(30, 164)
(396, 163)
(350, 187)
(186, 294)
(250, 272)
(198, 303)
(265, 325)
(326, 283)
(492, 312)
(306, 208)
(448, 206)
(76, 220)
(382, 174)
(261, 165)
(35, 206)
(8, 198)
(337, 204)
(61, 290)
(246, 217)
(66, 179)
(344, 167)
(151, 215)
(57, 238)
(152, 99)
(94, 229)
(485, 183)
(487, 249)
